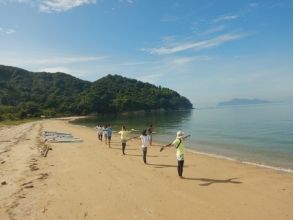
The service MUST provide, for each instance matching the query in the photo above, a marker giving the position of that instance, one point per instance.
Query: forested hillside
(26, 94)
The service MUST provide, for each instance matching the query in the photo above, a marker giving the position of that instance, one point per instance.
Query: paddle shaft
(161, 149)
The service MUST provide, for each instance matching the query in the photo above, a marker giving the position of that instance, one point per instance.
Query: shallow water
(261, 134)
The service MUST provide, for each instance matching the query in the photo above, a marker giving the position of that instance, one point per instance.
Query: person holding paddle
(179, 145)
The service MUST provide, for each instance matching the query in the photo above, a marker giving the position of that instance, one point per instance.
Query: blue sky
(209, 51)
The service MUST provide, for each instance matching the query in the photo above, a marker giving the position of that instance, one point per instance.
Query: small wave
(287, 170)
(213, 155)
(269, 167)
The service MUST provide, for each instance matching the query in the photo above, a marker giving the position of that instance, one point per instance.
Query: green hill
(26, 94)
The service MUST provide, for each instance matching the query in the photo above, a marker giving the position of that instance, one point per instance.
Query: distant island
(237, 101)
(25, 94)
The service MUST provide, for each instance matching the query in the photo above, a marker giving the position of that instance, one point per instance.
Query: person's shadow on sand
(162, 165)
(208, 182)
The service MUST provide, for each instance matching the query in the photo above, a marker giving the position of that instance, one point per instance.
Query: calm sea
(259, 134)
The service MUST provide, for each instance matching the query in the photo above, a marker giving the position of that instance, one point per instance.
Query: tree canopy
(26, 94)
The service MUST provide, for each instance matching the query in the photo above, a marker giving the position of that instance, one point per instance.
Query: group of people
(106, 132)
(146, 141)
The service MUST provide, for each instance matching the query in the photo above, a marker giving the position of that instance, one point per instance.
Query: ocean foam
(287, 170)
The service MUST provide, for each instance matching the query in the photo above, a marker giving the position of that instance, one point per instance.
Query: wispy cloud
(253, 4)
(62, 5)
(151, 78)
(50, 6)
(128, 1)
(76, 73)
(65, 60)
(213, 30)
(169, 18)
(7, 31)
(55, 70)
(19, 60)
(138, 63)
(225, 18)
(186, 60)
(198, 45)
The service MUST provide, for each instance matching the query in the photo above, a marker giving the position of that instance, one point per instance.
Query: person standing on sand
(99, 132)
(178, 143)
(123, 136)
(109, 134)
(145, 140)
(150, 131)
(104, 131)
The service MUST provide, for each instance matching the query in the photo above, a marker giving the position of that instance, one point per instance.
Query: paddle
(132, 138)
(162, 147)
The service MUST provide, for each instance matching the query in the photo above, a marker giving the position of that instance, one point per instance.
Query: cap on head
(180, 134)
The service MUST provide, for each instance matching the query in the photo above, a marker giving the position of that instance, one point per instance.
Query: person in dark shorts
(145, 140)
(124, 138)
(178, 143)
(109, 134)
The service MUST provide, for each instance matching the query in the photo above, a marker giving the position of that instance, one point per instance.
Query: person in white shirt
(145, 139)
(99, 132)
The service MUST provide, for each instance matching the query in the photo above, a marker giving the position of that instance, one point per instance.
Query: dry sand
(90, 181)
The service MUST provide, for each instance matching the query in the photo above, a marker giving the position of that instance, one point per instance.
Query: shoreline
(261, 164)
(88, 180)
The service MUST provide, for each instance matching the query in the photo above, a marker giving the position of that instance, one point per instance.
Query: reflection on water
(164, 121)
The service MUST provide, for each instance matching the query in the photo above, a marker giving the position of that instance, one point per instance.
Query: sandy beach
(88, 180)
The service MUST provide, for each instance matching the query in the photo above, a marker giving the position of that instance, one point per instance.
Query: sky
(208, 51)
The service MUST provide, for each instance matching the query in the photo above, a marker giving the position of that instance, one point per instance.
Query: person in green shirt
(178, 143)
(124, 137)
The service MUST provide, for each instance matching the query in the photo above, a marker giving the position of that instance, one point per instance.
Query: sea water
(257, 134)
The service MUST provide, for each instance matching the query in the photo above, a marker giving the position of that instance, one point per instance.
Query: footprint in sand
(34, 167)
(43, 176)
(3, 183)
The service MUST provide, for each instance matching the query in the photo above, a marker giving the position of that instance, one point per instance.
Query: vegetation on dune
(25, 94)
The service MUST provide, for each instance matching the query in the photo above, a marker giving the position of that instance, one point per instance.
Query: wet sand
(88, 180)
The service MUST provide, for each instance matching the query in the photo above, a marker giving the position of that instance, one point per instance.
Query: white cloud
(198, 45)
(226, 18)
(62, 5)
(4, 31)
